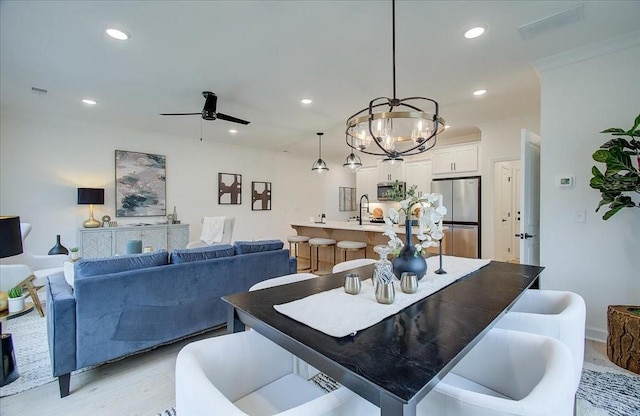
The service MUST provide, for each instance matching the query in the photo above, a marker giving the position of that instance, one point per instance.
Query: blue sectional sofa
(123, 305)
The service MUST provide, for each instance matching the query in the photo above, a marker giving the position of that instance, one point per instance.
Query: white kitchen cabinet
(107, 242)
(390, 172)
(419, 173)
(367, 182)
(455, 159)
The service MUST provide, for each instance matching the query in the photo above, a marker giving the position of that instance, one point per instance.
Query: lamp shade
(90, 196)
(10, 237)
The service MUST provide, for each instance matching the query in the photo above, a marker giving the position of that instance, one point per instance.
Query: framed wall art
(260, 196)
(140, 184)
(347, 199)
(229, 189)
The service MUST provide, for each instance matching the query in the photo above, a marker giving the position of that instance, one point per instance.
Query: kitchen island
(370, 233)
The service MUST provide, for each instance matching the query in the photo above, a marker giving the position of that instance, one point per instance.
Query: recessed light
(89, 101)
(474, 32)
(233, 131)
(480, 92)
(306, 101)
(447, 126)
(118, 34)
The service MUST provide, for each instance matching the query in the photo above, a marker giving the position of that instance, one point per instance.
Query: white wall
(500, 141)
(583, 93)
(43, 161)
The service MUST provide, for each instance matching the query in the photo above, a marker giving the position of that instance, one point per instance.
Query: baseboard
(596, 334)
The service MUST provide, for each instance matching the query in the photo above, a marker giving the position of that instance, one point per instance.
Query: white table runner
(339, 314)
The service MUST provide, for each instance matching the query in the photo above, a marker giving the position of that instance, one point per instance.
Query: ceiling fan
(209, 110)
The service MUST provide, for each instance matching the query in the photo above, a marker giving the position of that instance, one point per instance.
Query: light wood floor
(139, 385)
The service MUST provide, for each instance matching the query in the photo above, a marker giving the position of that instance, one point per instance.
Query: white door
(530, 217)
(505, 232)
(516, 210)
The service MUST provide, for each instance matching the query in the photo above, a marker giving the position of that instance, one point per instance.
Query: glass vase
(382, 269)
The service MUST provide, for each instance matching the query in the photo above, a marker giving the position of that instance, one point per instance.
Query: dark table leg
(233, 321)
(392, 407)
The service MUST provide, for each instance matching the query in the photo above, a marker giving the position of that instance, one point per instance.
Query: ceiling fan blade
(221, 116)
(181, 114)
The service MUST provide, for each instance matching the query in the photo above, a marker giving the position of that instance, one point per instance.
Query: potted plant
(618, 186)
(74, 253)
(16, 300)
(620, 181)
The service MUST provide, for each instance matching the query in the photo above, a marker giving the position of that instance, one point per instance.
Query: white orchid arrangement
(428, 210)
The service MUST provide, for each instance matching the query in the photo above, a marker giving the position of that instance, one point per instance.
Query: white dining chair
(557, 314)
(246, 374)
(351, 264)
(506, 373)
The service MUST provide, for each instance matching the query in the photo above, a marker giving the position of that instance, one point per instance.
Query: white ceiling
(262, 57)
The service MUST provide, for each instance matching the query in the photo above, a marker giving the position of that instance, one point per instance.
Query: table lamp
(90, 196)
(10, 237)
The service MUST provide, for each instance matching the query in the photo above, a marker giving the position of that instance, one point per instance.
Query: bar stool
(356, 246)
(317, 243)
(295, 240)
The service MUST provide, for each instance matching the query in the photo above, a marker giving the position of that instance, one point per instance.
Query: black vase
(408, 260)
(58, 248)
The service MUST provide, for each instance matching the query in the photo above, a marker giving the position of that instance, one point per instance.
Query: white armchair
(557, 314)
(41, 265)
(227, 233)
(247, 374)
(506, 373)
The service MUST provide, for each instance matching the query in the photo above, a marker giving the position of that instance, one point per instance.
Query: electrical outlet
(580, 215)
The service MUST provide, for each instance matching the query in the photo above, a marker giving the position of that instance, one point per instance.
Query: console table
(107, 242)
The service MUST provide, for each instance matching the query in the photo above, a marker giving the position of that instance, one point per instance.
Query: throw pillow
(245, 247)
(202, 253)
(67, 268)
(95, 267)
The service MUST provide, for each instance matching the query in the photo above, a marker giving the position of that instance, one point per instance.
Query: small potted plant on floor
(16, 300)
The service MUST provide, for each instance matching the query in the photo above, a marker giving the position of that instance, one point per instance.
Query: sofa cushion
(202, 253)
(245, 247)
(96, 267)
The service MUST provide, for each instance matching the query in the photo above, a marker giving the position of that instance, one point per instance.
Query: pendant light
(396, 126)
(320, 165)
(352, 162)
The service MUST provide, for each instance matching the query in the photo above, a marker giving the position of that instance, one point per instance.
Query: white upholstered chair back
(557, 314)
(351, 264)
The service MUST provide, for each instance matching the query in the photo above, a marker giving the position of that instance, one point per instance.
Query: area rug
(29, 333)
(603, 391)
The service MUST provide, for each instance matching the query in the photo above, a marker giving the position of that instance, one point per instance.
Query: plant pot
(623, 337)
(16, 304)
(74, 255)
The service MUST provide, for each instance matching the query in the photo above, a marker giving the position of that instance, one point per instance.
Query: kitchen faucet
(366, 196)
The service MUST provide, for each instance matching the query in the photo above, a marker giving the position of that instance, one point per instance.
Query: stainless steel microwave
(385, 187)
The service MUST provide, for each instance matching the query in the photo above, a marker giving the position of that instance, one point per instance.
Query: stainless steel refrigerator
(461, 196)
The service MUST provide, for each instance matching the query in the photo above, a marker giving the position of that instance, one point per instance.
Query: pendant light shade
(352, 162)
(320, 165)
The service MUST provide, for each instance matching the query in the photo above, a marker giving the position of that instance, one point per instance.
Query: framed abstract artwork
(260, 196)
(140, 184)
(347, 199)
(229, 189)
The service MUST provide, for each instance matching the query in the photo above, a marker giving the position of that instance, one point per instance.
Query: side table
(8, 367)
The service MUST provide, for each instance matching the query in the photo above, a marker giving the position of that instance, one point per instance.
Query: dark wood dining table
(396, 362)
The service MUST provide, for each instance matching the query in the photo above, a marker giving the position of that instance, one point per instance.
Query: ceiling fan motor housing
(209, 110)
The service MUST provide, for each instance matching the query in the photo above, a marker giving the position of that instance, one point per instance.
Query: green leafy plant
(16, 292)
(620, 177)
(74, 249)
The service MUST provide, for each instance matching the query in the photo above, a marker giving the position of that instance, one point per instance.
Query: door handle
(524, 236)
(504, 220)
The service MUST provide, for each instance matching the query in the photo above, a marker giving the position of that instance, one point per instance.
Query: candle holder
(440, 270)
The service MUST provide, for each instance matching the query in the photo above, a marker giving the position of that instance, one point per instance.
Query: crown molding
(583, 53)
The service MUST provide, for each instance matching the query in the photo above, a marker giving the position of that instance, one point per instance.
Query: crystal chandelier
(397, 127)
